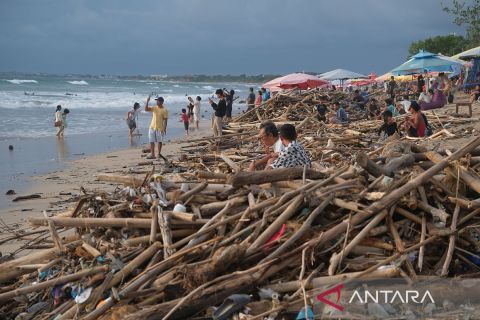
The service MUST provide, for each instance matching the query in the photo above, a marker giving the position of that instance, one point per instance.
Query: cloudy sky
(213, 36)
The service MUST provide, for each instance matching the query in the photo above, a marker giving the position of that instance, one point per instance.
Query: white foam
(17, 81)
(81, 82)
(208, 88)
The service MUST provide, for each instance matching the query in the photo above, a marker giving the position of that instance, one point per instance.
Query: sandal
(151, 157)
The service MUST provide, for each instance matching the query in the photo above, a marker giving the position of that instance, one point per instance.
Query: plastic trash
(231, 305)
(83, 296)
(184, 187)
(275, 237)
(302, 316)
(180, 208)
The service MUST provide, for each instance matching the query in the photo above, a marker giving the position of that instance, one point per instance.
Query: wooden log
(369, 165)
(451, 242)
(211, 175)
(303, 229)
(125, 180)
(398, 163)
(106, 222)
(391, 198)
(468, 178)
(8, 271)
(214, 207)
(274, 175)
(51, 283)
(134, 264)
(91, 250)
(192, 192)
(275, 226)
(166, 231)
(336, 258)
(53, 233)
(235, 168)
(154, 223)
(292, 286)
(183, 216)
(176, 233)
(27, 197)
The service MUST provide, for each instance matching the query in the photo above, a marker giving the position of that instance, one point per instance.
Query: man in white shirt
(268, 136)
(426, 97)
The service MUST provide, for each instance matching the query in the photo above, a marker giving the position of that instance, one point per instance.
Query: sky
(175, 37)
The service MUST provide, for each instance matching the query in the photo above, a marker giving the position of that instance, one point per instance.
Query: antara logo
(391, 296)
(338, 290)
(377, 296)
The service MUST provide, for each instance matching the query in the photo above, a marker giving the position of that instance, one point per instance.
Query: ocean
(96, 122)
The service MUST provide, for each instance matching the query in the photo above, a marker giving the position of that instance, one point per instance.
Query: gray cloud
(214, 36)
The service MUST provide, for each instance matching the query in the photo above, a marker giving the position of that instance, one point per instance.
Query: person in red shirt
(415, 123)
(185, 121)
(258, 102)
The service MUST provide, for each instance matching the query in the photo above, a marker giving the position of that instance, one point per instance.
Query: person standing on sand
(131, 118)
(251, 100)
(196, 111)
(392, 85)
(158, 126)
(58, 119)
(61, 132)
(190, 109)
(258, 102)
(220, 111)
(229, 101)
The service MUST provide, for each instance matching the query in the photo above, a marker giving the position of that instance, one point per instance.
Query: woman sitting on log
(415, 124)
(294, 154)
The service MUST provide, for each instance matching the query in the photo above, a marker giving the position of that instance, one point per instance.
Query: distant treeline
(241, 78)
(261, 78)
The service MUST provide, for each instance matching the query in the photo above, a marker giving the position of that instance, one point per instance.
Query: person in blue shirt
(364, 95)
(340, 116)
(390, 107)
(265, 95)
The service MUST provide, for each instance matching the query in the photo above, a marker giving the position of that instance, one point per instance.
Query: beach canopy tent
(386, 77)
(300, 81)
(341, 74)
(427, 61)
(372, 78)
(469, 54)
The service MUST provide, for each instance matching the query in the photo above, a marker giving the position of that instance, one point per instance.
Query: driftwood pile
(176, 245)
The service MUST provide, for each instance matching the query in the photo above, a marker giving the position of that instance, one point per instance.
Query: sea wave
(18, 81)
(81, 82)
(208, 88)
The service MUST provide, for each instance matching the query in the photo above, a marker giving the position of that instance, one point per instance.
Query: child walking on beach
(185, 121)
(61, 132)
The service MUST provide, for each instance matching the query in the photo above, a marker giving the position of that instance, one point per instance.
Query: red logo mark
(337, 289)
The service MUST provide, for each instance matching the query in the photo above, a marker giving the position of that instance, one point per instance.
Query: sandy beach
(60, 189)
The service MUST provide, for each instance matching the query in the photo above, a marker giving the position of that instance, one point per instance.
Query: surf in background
(96, 105)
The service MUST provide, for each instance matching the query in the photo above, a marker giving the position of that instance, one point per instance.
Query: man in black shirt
(220, 111)
(392, 85)
(251, 100)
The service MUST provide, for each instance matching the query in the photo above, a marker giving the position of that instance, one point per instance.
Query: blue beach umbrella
(427, 61)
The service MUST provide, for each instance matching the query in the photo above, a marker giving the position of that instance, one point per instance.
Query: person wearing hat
(220, 111)
(131, 119)
(158, 126)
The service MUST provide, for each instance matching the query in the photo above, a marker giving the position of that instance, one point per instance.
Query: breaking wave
(81, 82)
(17, 81)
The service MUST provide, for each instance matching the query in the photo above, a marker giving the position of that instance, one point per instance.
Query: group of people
(192, 115)
(263, 95)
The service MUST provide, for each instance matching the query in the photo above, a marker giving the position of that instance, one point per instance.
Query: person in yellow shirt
(158, 126)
